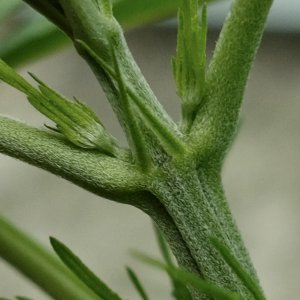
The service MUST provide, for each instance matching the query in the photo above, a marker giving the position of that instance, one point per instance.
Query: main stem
(199, 214)
(191, 196)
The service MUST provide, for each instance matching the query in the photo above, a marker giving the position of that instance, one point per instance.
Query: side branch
(101, 32)
(217, 118)
(98, 173)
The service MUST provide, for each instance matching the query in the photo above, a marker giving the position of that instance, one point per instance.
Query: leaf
(190, 279)
(105, 6)
(82, 272)
(77, 122)
(37, 264)
(167, 138)
(238, 269)
(164, 249)
(137, 284)
(180, 291)
(11, 77)
(135, 13)
(190, 61)
(40, 37)
(134, 132)
(31, 40)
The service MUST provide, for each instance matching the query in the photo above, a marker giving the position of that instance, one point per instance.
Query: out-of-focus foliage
(29, 36)
(7, 7)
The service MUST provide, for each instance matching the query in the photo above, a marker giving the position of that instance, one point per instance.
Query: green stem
(106, 176)
(188, 200)
(195, 215)
(212, 188)
(167, 137)
(217, 118)
(134, 135)
(40, 266)
(94, 172)
(211, 182)
(101, 34)
(158, 213)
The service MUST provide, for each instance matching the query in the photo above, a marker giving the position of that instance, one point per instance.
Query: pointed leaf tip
(239, 270)
(136, 283)
(190, 279)
(82, 272)
(74, 119)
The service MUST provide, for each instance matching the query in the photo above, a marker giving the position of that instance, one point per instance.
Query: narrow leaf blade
(11, 77)
(134, 13)
(189, 64)
(134, 132)
(129, 13)
(164, 249)
(137, 284)
(82, 272)
(180, 291)
(238, 269)
(32, 40)
(187, 278)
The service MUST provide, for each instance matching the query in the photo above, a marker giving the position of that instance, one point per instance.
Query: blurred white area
(261, 173)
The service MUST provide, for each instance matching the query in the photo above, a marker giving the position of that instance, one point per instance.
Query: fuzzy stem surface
(197, 217)
(217, 117)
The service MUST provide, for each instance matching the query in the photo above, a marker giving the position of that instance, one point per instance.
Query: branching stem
(95, 172)
(181, 193)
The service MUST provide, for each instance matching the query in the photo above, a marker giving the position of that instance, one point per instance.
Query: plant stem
(40, 266)
(217, 118)
(187, 194)
(102, 33)
(197, 219)
(104, 175)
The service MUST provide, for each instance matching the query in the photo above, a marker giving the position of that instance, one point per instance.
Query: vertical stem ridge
(227, 75)
(182, 194)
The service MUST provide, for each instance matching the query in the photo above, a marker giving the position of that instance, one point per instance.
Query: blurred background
(261, 173)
